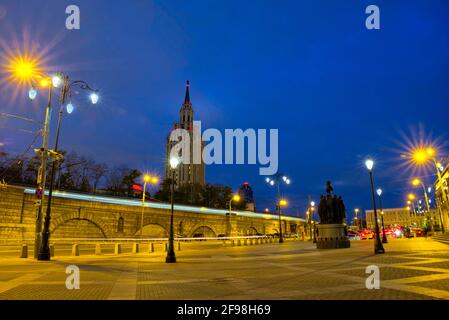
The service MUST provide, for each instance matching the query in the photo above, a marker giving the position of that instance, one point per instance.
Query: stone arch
(153, 230)
(205, 231)
(59, 221)
(252, 231)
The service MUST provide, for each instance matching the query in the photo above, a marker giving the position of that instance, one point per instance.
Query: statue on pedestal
(332, 230)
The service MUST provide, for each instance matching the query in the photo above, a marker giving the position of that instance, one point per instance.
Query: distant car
(419, 232)
(353, 235)
(366, 234)
(396, 232)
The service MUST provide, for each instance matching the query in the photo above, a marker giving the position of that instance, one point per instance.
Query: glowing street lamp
(32, 94)
(23, 69)
(56, 81)
(283, 203)
(146, 179)
(94, 98)
(235, 198)
(44, 83)
(171, 257)
(69, 108)
(378, 247)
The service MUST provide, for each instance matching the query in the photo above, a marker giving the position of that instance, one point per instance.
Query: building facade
(246, 193)
(441, 187)
(394, 217)
(185, 174)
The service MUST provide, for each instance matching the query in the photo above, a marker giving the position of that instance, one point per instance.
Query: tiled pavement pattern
(410, 269)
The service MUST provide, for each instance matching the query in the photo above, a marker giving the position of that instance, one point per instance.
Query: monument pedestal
(332, 236)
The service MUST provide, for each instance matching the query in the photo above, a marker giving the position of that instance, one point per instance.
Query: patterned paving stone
(442, 265)
(364, 294)
(387, 273)
(435, 284)
(290, 271)
(57, 292)
(386, 259)
(202, 290)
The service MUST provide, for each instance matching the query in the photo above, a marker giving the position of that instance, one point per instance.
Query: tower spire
(187, 102)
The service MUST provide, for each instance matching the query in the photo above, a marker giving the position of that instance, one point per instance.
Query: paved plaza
(410, 269)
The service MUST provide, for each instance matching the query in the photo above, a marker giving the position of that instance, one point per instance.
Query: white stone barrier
(98, 249)
(75, 250)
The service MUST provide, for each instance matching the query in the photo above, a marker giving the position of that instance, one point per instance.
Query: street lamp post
(411, 200)
(378, 247)
(384, 237)
(309, 222)
(356, 211)
(171, 257)
(26, 69)
(276, 180)
(235, 198)
(42, 175)
(416, 182)
(309, 218)
(146, 179)
(312, 214)
(57, 80)
(281, 203)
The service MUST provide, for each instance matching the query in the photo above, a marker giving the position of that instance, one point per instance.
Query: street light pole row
(421, 156)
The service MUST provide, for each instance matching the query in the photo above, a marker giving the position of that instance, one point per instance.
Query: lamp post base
(44, 250)
(171, 258)
(43, 256)
(379, 249)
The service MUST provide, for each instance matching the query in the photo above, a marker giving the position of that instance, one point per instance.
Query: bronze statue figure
(331, 208)
(329, 188)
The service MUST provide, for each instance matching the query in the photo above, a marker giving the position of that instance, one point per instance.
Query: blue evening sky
(336, 91)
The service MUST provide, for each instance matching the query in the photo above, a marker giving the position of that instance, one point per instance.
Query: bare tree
(98, 171)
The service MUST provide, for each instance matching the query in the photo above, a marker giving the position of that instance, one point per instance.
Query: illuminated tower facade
(185, 173)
